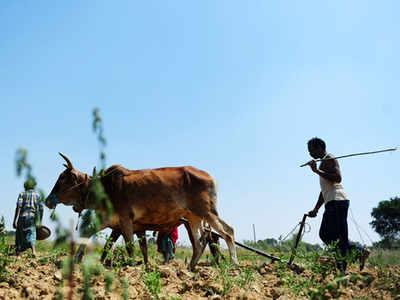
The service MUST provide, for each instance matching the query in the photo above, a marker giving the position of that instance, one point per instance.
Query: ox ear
(94, 171)
(69, 164)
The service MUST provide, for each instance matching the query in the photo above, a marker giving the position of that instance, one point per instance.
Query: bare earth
(29, 279)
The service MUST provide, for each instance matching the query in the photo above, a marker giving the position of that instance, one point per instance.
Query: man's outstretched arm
(313, 213)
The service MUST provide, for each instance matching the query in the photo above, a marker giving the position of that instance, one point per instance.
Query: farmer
(166, 244)
(334, 221)
(28, 214)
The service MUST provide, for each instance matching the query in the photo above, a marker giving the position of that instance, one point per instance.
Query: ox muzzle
(51, 201)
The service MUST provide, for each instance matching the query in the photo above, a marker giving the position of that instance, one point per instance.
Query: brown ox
(152, 199)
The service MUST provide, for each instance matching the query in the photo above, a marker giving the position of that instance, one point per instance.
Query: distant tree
(387, 221)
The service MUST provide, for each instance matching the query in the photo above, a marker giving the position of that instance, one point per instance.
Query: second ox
(149, 199)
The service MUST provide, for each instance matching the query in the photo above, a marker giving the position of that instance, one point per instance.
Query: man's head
(316, 148)
(29, 184)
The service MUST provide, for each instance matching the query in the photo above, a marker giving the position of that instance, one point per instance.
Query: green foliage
(246, 277)
(22, 166)
(226, 275)
(125, 286)
(388, 281)
(92, 219)
(271, 244)
(152, 280)
(387, 220)
(90, 223)
(21, 160)
(2, 225)
(61, 233)
(109, 278)
(5, 252)
(382, 257)
(60, 294)
(90, 268)
(97, 126)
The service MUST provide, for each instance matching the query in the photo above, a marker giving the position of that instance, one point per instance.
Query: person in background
(166, 244)
(334, 226)
(28, 215)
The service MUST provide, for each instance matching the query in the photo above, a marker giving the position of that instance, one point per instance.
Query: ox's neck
(83, 187)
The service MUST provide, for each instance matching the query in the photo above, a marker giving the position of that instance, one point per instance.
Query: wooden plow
(270, 256)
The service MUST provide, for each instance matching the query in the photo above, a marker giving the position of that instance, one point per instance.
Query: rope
(78, 184)
(356, 226)
(359, 227)
(304, 231)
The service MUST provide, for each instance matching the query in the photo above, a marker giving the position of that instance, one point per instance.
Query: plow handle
(303, 221)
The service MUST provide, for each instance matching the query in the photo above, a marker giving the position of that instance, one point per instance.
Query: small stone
(58, 276)
(262, 271)
(216, 287)
(28, 291)
(274, 294)
(184, 275)
(44, 292)
(4, 285)
(165, 271)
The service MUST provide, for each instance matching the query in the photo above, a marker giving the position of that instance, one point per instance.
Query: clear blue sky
(235, 88)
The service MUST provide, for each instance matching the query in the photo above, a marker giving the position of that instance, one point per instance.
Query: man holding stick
(334, 221)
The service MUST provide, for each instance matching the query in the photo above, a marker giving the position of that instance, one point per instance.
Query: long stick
(354, 154)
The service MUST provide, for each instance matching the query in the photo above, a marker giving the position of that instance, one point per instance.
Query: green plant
(152, 280)
(60, 294)
(125, 291)
(246, 277)
(5, 259)
(225, 274)
(109, 278)
(90, 268)
(381, 257)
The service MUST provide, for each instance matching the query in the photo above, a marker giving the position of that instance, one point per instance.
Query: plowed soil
(30, 278)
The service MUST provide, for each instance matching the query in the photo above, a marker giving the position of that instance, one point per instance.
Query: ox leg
(115, 234)
(226, 232)
(127, 233)
(143, 245)
(190, 233)
(197, 243)
(189, 230)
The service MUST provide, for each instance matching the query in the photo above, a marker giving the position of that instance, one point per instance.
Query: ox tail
(213, 196)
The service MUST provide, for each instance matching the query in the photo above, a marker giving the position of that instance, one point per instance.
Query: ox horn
(69, 166)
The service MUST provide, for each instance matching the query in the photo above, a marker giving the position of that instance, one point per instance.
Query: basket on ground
(42, 232)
